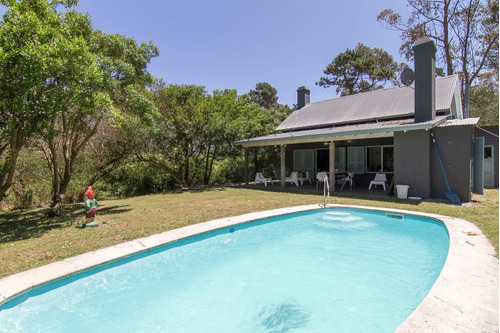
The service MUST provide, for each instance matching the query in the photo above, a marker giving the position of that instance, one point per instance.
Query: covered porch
(358, 190)
(364, 150)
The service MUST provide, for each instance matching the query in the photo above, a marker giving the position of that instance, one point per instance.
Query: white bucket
(402, 191)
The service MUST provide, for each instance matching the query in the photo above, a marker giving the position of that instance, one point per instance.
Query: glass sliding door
(356, 159)
(303, 161)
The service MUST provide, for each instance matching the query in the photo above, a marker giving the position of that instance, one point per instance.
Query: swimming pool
(330, 269)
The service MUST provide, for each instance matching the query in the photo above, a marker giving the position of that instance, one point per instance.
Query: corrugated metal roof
(373, 129)
(460, 122)
(378, 104)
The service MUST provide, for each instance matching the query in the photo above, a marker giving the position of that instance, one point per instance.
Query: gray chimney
(303, 97)
(425, 80)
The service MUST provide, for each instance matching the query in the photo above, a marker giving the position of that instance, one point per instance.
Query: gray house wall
(455, 147)
(416, 163)
(412, 163)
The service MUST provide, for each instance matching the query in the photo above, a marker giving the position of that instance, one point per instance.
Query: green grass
(29, 238)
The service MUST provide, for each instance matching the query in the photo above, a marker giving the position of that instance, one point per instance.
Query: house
(386, 131)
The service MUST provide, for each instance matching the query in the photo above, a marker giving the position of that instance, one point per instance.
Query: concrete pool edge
(464, 297)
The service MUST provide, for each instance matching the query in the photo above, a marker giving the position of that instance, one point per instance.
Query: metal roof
(347, 132)
(382, 104)
(460, 122)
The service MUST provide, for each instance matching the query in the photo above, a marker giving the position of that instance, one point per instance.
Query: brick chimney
(425, 80)
(303, 97)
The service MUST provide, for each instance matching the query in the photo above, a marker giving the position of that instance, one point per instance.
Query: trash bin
(402, 191)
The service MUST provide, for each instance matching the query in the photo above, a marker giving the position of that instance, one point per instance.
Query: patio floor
(358, 189)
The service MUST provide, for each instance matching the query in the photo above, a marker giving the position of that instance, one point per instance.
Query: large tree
(484, 103)
(465, 32)
(121, 63)
(44, 64)
(271, 115)
(359, 70)
(265, 95)
(193, 130)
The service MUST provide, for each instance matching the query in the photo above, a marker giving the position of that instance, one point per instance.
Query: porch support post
(331, 164)
(246, 165)
(282, 167)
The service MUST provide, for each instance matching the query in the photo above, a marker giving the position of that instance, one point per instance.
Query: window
(488, 151)
(303, 160)
(340, 159)
(380, 159)
(356, 159)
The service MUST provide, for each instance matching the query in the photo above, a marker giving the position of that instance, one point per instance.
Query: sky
(234, 44)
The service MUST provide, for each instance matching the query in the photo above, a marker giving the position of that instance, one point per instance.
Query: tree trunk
(256, 160)
(56, 184)
(9, 168)
(446, 38)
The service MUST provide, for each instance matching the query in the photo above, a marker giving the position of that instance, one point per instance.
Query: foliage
(31, 184)
(265, 95)
(465, 32)
(120, 65)
(36, 67)
(193, 130)
(131, 178)
(484, 103)
(359, 70)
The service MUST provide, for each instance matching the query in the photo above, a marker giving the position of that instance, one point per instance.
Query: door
(303, 160)
(489, 167)
(356, 160)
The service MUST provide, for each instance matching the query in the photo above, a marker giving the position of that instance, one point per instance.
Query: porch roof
(354, 132)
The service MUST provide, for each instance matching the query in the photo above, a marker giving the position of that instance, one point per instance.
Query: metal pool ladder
(326, 190)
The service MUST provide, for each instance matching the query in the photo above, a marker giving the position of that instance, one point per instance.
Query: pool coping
(464, 298)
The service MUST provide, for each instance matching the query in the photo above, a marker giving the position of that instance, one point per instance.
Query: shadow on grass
(26, 224)
(198, 189)
(355, 194)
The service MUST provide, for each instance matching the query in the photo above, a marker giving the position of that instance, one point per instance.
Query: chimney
(303, 97)
(425, 80)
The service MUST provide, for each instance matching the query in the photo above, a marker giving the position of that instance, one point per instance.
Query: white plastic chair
(259, 178)
(380, 179)
(293, 178)
(320, 178)
(348, 179)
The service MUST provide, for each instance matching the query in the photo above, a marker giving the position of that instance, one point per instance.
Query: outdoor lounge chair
(320, 178)
(259, 178)
(293, 178)
(380, 179)
(348, 179)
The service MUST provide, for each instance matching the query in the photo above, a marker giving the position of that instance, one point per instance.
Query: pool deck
(465, 297)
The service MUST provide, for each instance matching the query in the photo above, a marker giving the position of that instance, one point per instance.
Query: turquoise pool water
(330, 270)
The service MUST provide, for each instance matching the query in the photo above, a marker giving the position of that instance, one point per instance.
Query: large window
(303, 160)
(380, 159)
(356, 159)
(340, 159)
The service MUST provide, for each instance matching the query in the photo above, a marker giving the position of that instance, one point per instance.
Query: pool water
(329, 270)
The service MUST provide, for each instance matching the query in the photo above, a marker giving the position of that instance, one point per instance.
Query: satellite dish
(408, 76)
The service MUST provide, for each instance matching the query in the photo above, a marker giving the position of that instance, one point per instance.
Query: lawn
(29, 238)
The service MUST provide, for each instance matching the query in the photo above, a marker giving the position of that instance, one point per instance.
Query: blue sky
(235, 44)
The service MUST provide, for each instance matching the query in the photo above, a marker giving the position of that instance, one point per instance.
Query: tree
(265, 95)
(465, 32)
(39, 63)
(484, 103)
(194, 130)
(121, 66)
(172, 143)
(359, 70)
